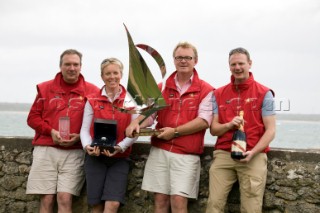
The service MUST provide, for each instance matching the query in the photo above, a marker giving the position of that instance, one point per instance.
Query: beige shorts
(172, 174)
(56, 170)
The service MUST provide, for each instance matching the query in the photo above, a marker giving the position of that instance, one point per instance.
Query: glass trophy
(64, 128)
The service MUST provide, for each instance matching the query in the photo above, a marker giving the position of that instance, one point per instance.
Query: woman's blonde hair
(108, 61)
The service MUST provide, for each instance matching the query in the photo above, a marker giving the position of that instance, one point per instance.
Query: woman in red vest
(106, 171)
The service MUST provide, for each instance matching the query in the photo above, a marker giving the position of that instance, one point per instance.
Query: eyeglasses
(180, 58)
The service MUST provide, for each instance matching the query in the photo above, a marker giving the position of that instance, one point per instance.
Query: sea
(298, 131)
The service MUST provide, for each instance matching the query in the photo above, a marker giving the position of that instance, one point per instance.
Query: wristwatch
(176, 133)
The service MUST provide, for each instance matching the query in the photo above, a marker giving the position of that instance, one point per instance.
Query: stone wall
(293, 184)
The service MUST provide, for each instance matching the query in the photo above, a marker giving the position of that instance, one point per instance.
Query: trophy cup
(143, 92)
(105, 134)
(64, 128)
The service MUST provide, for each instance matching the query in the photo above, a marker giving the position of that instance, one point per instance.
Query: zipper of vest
(179, 111)
(239, 96)
(68, 105)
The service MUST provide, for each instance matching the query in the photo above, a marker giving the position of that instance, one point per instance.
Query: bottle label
(239, 146)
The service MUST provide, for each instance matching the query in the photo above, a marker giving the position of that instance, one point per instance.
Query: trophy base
(147, 132)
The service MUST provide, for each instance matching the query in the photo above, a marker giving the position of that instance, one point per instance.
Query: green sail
(141, 84)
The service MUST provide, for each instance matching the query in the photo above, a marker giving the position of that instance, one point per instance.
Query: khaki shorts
(172, 174)
(56, 170)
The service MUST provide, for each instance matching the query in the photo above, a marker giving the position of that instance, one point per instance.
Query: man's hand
(167, 133)
(248, 156)
(55, 135)
(133, 127)
(236, 122)
(74, 138)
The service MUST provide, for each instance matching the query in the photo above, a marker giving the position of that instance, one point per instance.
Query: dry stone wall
(293, 184)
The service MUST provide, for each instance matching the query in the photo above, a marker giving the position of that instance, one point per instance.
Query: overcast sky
(283, 37)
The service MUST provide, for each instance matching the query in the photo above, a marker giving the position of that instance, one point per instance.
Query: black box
(105, 134)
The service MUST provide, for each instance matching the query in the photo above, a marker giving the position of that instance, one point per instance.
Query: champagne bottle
(239, 142)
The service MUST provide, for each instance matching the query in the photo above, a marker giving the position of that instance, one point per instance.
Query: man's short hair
(240, 50)
(70, 52)
(186, 45)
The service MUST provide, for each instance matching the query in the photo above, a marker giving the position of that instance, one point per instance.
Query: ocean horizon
(299, 131)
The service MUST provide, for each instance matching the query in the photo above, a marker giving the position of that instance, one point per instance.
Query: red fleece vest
(247, 97)
(55, 100)
(182, 110)
(104, 109)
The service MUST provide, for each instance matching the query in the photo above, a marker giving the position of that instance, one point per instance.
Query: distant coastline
(298, 117)
(15, 106)
(25, 107)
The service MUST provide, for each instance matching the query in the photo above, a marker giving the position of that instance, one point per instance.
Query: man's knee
(215, 207)
(64, 199)
(47, 202)
(161, 200)
(179, 202)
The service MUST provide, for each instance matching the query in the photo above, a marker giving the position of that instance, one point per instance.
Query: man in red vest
(172, 170)
(244, 94)
(57, 167)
